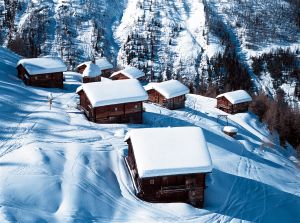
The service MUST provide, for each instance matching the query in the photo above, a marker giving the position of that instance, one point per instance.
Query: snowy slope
(55, 166)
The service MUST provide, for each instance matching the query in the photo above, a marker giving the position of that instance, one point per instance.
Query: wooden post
(50, 99)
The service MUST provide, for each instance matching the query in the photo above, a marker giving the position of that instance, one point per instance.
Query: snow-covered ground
(55, 166)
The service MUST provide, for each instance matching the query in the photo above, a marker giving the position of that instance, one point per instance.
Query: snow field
(55, 166)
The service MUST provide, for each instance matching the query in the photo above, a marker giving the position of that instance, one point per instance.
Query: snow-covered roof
(114, 92)
(169, 89)
(91, 70)
(230, 129)
(130, 72)
(104, 64)
(236, 97)
(43, 65)
(170, 151)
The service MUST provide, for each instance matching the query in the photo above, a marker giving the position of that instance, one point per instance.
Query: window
(116, 109)
(152, 181)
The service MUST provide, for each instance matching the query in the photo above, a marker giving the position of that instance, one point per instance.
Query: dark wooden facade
(107, 72)
(121, 76)
(225, 105)
(171, 103)
(49, 80)
(91, 79)
(81, 68)
(118, 113)
(187, 188)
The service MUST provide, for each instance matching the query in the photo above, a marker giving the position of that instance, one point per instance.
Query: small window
(152, 181)
(35, 77)
(116, 109)
(136, 106)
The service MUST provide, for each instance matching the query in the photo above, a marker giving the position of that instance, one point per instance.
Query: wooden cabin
(230, 131)
(234, 102)
(113, 101)
(105, 67)
(169, 94)
(91, 73)
(168, 164)
(42, 72)
(128, 73)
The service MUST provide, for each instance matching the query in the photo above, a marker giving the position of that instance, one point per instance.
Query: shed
(106, 67)
(168, 164)
(128, 73)
(169, 94)
(113, 101)
(91, 73)
(234, 102)
(42, 72)
(230, 130)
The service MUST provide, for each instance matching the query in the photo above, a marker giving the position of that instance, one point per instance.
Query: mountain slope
(168, 38)
(55, 166)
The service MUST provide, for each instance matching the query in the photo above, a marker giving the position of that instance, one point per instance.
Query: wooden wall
(225, 105)
(119, 76)
(91, 79)
(50, 80)
(21, 71)
(188, 188)
(172, 103)
(81, 68)
(119, 113)
(107, 72)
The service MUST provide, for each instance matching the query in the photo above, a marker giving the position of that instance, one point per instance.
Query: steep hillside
(75, 30)
(184, 39)
(55, 166)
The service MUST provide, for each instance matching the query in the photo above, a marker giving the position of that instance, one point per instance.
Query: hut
(128, 73)
(91, 73)
(113, 101)
(106, 67)
(230, 130)
(234, 102)
(42, 72)
(169, 94)
(103, 64)
(168, 164)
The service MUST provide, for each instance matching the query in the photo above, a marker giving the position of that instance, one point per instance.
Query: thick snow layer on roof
(43, 65)
(130, 72)
(236, 97)
(170, 151)
(104, 64)
(169, 89)
(91, 70)
(114, 92)
(230, 129)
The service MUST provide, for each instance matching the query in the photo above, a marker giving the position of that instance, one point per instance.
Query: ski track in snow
(56, 166)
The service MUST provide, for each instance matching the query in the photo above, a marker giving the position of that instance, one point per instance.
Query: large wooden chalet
(169, 94)
(234, 102)
(105, 67)
(91, 73)
(113, 101)
(168, 164)
(42, 72)
(128, 73)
